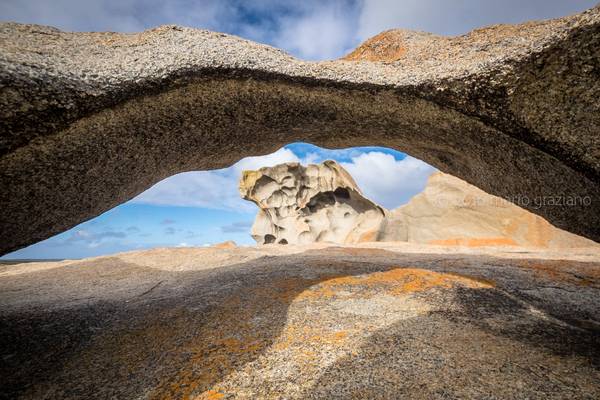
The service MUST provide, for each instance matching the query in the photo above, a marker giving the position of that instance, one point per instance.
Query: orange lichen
(210, 395)
(230, 244)
(302, 336)
(537, 231)
(396, 281)
(386, 46)
(235, 332)
(370, 236)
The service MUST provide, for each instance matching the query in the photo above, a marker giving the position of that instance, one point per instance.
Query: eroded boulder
(316, 203)
(451, 212)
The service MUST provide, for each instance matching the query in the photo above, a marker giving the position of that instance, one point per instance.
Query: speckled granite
(89, 120)
(280, 322)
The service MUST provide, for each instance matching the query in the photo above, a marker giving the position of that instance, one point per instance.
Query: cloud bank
(387, 181)
(211, 189)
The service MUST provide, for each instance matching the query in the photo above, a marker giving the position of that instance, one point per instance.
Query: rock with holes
(316, 203)
(322, 203)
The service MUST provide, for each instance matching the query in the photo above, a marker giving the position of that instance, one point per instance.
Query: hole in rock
(269, 239)
(203, 208)
(200, 208)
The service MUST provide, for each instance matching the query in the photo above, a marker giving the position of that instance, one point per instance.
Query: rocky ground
(372, 321)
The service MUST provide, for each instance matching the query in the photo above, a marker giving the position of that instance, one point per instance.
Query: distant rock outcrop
(452, 212)
(309, 204)
(229, 244)
(322, 203)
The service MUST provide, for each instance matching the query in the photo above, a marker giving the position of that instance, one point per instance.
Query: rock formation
(316, 203)
(362, 321)
(89, 120)
(449, 211)
(322, 203)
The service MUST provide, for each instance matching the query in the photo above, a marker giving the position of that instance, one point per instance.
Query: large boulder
(316, 203)
(449, 211)
(89, 120)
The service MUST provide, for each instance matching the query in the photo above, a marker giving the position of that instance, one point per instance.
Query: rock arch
(89, 120)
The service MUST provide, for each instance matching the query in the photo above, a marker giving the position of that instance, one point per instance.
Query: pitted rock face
(316, 203)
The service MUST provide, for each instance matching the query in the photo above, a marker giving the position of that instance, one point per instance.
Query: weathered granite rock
(89, 120)
(451, 212)
(303, 322)
(316, 203)
(322, 203)
(229, 244)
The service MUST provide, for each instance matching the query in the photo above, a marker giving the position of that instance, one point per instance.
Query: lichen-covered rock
(316, 203)
(89, 120)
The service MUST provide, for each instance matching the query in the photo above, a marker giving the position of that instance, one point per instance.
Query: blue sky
(201, 208)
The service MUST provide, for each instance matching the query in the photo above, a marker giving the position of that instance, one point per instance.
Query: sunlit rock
(322, 203)
(316, 203)
(451, 212)
(228, 244)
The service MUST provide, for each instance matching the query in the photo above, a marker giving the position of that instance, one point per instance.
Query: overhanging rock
(89, 120)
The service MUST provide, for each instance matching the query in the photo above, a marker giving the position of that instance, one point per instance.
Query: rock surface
(322, 203)
(316, 203)
(293, 322)
(449, 211)
(89, 120)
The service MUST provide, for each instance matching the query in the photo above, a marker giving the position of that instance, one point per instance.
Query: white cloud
(92, 239)
(240, 226)
(76, 15)
(325, 31)
(387, 181)
(309, 29)
(445, 17)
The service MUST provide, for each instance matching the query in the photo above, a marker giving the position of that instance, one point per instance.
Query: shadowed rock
(300, 322)
(89, 120)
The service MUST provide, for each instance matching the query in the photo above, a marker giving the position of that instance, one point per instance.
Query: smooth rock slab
(337, 322)
(89, 120)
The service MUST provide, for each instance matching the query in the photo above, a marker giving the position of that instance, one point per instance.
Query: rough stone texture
(449, 211)
(275, 322)
(316, 203)
(89, 120)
